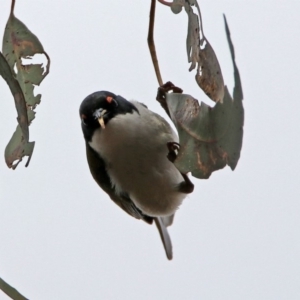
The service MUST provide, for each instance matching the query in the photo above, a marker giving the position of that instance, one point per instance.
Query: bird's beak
(101, 122)
(99, 115)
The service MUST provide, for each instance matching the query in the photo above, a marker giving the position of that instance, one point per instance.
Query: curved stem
(151, 42)
(12, 7)
(165, 2)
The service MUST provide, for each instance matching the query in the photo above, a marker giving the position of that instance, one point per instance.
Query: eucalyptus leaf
(20, 43)
(20, 103)
(200, 53)
(210, 137)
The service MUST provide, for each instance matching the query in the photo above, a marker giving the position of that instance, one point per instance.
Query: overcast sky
(236, 237)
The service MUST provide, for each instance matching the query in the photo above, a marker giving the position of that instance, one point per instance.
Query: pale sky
(236, 237)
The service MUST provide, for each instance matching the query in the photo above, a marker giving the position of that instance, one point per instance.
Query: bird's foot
(161, 94)
(186, 186)
(173, 148)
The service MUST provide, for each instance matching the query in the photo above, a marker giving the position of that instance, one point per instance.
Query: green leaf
(210, 138)
(20, 43)
(6, 73)
(17, 148)
(200, 53)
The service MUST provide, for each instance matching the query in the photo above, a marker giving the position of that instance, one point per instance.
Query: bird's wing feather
(100, 175)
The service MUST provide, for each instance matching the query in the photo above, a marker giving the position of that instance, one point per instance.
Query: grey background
(235, 237)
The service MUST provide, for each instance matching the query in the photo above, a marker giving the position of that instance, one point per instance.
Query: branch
(165, 2)
(10, 291)
(151, 43)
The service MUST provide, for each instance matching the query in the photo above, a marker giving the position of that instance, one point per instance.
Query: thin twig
(151, 43)
(10, 291)
(165, 2)
(12, 7)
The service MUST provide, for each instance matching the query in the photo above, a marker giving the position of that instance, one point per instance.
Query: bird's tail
(161, 224)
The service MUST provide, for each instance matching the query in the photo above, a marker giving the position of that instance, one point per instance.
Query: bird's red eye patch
(109, 99)
(83, 117)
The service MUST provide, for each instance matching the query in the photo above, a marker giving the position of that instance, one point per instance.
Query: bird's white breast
(134, 149)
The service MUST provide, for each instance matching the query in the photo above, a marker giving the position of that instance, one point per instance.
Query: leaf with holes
(20, 43)
(19, 144)
(210, 138)
(200, 53)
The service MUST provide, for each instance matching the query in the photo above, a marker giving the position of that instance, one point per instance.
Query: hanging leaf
(20, 43)
(6, 73)
(200, 53)
(210, 138)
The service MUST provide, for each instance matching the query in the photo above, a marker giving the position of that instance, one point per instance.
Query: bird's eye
(111, 100)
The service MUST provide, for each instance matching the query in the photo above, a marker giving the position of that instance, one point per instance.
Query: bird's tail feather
(161, 224)
(168, 221)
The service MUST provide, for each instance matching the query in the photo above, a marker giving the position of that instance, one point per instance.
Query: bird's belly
(155, 194)
(140, 168)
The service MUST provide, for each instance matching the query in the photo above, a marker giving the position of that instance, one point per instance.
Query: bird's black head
(97, 109)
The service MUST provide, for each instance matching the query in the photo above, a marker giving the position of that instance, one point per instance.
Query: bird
(130, 152)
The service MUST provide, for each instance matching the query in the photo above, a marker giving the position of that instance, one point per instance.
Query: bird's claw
(186, 186)
(173, 148)
(161, 94)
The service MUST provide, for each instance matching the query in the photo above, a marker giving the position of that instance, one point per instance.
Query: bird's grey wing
(100, 175)
(164, 235)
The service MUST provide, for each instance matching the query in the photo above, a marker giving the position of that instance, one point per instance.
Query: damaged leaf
(6, 73)
(20, 43)
(200, 53)
(210, 138)
(19, 144)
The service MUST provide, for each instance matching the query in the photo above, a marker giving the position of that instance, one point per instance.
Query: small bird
(130, 150)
